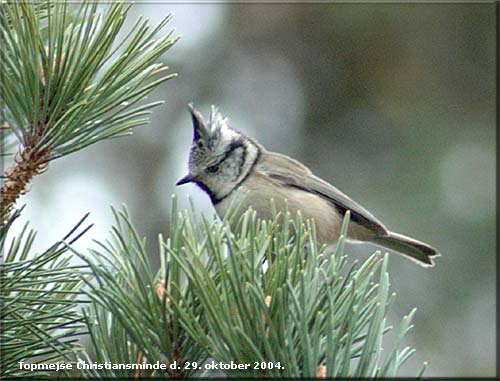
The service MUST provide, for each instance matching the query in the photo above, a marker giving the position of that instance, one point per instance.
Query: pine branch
(68, 82)
(130, 321)
(38, 302)
(266, 299)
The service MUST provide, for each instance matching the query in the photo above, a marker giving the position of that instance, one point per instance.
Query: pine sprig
(38, 301)
(298, 318)
(267, 297)
(68, 82)
(130, 322)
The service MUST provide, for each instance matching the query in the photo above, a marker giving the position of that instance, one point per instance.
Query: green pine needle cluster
(78, 84)
(266, 295)
(131, 321)
(39, 301)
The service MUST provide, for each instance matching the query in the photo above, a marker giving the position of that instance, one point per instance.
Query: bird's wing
(290, 172)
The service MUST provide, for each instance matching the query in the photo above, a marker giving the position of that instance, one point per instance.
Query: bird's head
(220, 157)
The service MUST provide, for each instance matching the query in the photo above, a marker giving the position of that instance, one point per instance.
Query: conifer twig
(301, 315)
(71, 82)
(28, 164)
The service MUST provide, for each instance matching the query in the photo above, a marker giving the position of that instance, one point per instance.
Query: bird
(233, 168)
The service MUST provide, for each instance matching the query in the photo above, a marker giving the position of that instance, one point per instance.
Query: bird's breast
(261, 193)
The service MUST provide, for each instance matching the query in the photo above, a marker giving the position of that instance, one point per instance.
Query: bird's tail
(417, 251)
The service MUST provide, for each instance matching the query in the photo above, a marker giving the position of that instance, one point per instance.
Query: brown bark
(29, 163)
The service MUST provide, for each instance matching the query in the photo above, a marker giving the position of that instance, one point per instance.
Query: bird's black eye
(213, 168)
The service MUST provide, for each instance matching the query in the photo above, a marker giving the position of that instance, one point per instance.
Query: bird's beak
(186, 179)
(199, 129)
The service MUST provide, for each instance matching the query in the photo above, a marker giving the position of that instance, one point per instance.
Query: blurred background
(392, 103)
